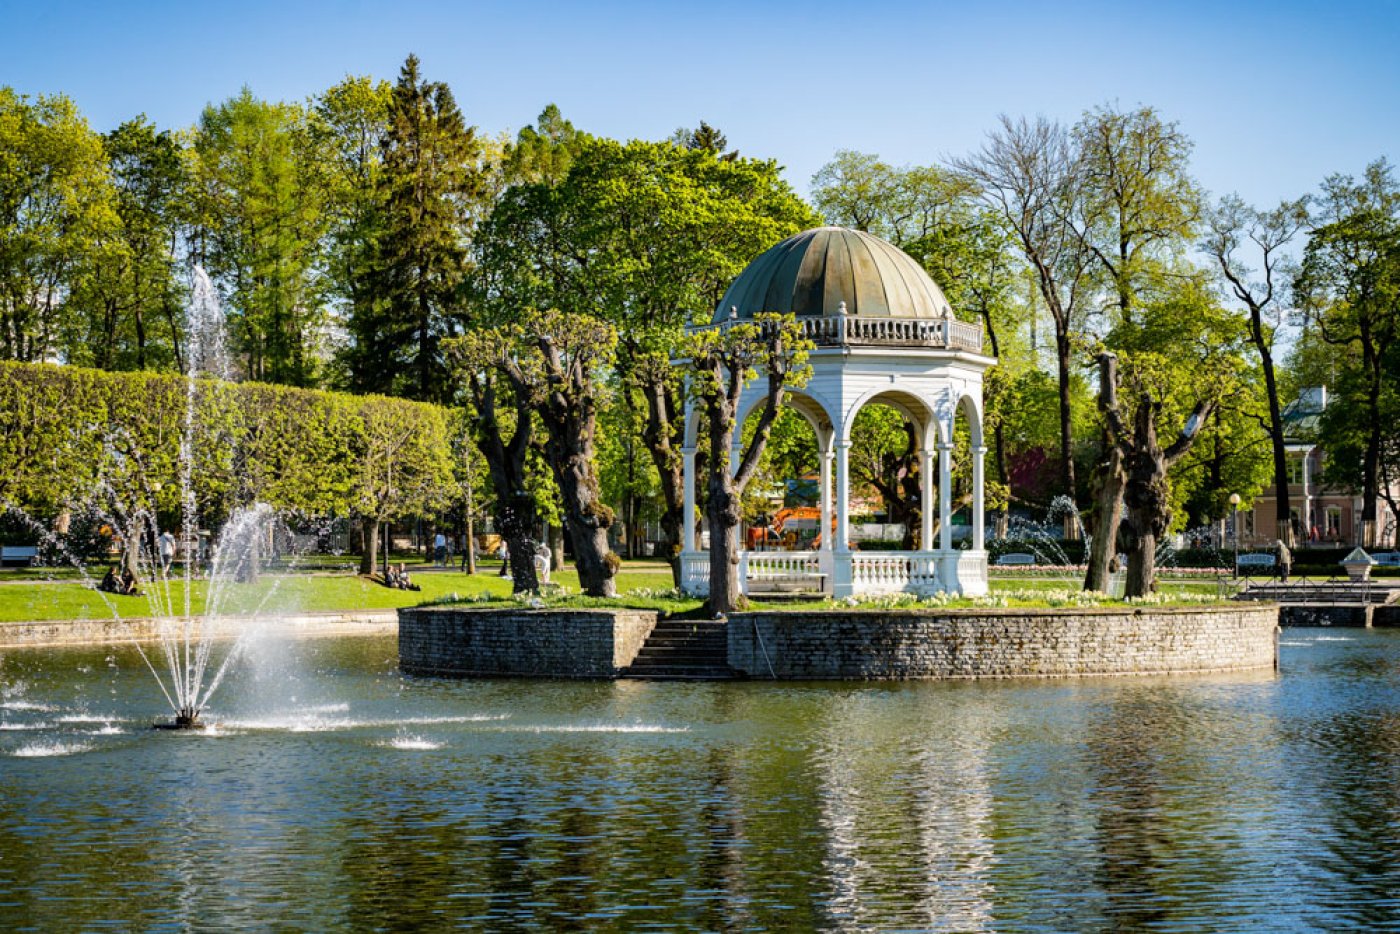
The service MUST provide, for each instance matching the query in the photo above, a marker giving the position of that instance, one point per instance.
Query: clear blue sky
(1276, 95)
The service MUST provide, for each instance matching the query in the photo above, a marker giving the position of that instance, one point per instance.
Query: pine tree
(429, 183)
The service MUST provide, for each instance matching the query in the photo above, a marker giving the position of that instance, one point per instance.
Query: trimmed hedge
(70, 435)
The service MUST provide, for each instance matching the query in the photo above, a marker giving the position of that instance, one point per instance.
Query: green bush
(67, 433)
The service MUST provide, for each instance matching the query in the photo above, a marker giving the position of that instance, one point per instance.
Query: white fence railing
(791, 571)
(903, 332)
(871, 572)
(780, 565)
(695, 573)
(876, 572)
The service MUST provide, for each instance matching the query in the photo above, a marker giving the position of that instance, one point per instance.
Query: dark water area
(336, 794)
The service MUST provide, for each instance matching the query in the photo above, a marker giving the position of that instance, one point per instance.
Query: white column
(926, 499)
(825, 495)
(979, 500)
(1307, 500)
(842, 579)
(843, 497)
(945, 496)
(688, 516)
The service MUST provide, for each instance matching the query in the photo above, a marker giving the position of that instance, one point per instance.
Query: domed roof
(813, 272)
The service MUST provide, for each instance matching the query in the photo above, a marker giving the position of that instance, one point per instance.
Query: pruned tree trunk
(723, 512)
(131, 554)
(1148, 500)
(589, 520)
(1062, 357)
(515, 517)
(515, 506)
(369, 546)
(1146, 492)
(659, 435)
(774, 348)
(570, 416)
(1109, 482)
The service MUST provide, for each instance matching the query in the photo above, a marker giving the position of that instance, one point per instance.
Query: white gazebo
(884, 333)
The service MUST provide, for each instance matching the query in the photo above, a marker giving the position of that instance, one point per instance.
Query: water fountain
(124, 506)
(1045, 538)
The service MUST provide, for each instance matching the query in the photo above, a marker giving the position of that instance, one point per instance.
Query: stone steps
(684, 650)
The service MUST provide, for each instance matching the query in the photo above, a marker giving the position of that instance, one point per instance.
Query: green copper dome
(812, 273)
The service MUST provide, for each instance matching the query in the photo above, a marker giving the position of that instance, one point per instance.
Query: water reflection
(339, 795)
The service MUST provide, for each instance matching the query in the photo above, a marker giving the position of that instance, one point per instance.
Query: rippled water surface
(337, 794)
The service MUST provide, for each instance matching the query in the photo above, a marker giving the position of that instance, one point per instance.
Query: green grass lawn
(291, 593)
(33, 598)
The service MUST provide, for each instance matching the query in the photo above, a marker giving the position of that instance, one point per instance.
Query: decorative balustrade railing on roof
(853, 330)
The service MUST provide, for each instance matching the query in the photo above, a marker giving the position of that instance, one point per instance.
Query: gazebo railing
(871, 572)
(781, 565)
(695, 572)
(842, 330)
(875, 572)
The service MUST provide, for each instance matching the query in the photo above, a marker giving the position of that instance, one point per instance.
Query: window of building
(1295, 470)
(1334, 522)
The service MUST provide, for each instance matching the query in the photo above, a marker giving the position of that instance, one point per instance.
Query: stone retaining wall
(144, 629)
(459, 641)
(1003, 643)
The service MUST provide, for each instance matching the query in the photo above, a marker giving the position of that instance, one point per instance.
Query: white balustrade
(769, 565)
(782, 570)
(877, 572)
(855, 329)
(695, 573)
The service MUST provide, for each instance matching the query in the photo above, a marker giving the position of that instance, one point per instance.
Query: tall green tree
(1350, 287)
(130, 299)
(771, 354)
(543, 151)
(901, 204)
(349, 125)
(1181, 355)
(1237, 236)
(553, 361)
(430, 182)
(1029, 174)
(1136, 211)
(56, 211)
(641, 235)
(1138, 206)
(260, 210)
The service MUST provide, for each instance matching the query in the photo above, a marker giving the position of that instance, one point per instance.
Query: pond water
(337, 794)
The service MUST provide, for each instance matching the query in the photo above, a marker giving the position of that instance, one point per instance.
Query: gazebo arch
(883, 333)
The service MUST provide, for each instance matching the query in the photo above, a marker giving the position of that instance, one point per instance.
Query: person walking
(1285, 561)
(505, 559)
(440, 549)
(167, 551)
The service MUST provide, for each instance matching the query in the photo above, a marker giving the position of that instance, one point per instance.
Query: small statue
(543, 559)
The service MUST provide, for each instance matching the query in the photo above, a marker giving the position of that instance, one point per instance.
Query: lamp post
(1235, 505)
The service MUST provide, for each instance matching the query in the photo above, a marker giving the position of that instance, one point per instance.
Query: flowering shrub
(655, 593)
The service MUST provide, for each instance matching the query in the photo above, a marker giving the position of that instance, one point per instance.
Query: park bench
(1259, 561)
(18, 554)
(1015, 559)
(1386, 559)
